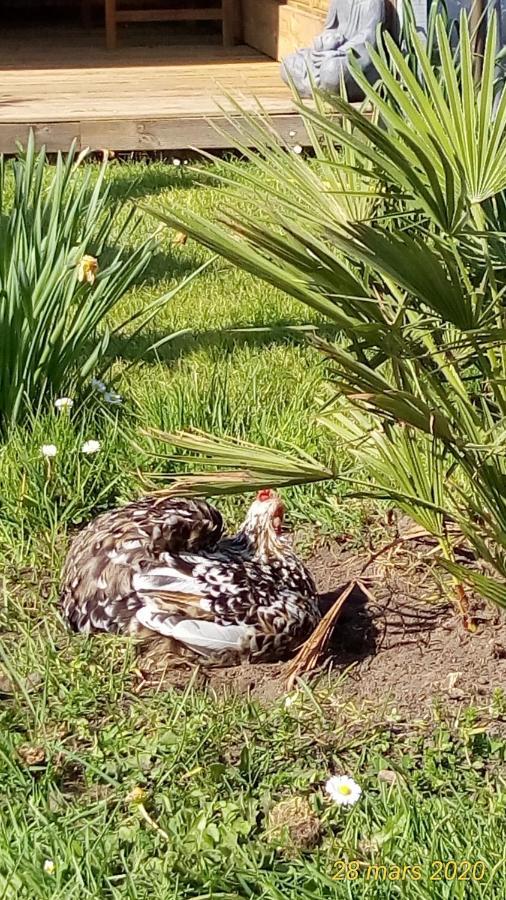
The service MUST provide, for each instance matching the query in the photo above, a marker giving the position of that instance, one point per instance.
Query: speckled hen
(165, 567)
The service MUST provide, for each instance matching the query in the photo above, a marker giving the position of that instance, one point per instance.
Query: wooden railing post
(110, 24)
(228, 23)
(477, 26)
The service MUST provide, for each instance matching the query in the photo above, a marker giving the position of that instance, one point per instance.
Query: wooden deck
(64, 84)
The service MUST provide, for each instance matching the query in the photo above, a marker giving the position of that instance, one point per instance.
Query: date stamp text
(437, 870)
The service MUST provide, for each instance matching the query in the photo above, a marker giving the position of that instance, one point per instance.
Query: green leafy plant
(416, 286)
(408, 28)
(65, 263)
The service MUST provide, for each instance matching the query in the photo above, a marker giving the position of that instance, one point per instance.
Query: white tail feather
(198, 634)
(156, 621)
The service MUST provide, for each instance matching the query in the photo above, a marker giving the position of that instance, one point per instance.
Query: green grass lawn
(76, 738)
(262, 385)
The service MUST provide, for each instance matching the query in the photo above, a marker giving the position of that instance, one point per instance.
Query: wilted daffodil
(87, 269)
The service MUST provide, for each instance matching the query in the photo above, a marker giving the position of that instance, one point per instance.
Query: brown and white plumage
(165, 567)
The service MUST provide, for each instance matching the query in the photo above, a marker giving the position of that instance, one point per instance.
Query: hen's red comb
(265, 494)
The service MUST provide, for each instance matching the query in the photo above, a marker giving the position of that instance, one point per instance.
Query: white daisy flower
(297, 149)
(343, 790)
(63, 403)
(98, 385)
(90, 447)
(49, 866)
(49, 450)
(291, 134)
(176, 162)
(113, 398)
(290, 700)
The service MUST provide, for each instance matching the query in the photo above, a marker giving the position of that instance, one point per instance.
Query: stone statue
(350, 26)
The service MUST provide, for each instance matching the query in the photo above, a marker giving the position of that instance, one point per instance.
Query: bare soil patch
(405, 644)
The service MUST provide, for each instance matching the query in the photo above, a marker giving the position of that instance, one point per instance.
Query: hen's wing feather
(97, 591)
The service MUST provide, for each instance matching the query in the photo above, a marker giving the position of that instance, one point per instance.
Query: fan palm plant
(415, 283)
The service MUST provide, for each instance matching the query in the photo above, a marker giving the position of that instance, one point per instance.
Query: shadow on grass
(163, 265)
(155, 178)
(169, 265)
(223, 340)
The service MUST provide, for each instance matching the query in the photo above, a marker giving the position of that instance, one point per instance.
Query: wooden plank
(141, 134)
(276, 28)
(136, 78)
(53, 135)
(261, 25)
(232, 27)
(111, 31)
(142, 98)
(151, 57)
(124, 57)
(96, 107)
(133, 75)
(176, 134)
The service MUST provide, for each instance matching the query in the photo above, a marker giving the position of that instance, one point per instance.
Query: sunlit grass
(211, 767)
(263, 385)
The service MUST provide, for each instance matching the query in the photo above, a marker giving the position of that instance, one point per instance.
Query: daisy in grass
(290, 700)
(63, 403)
(90, 447)
(343, 790)
(49, 450)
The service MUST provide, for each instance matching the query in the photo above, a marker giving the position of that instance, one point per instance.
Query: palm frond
(416, 289)
(241, 465)
(486, 586)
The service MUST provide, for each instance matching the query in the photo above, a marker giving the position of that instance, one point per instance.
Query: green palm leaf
(486, 586)
(241, 465)
(416, 288)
